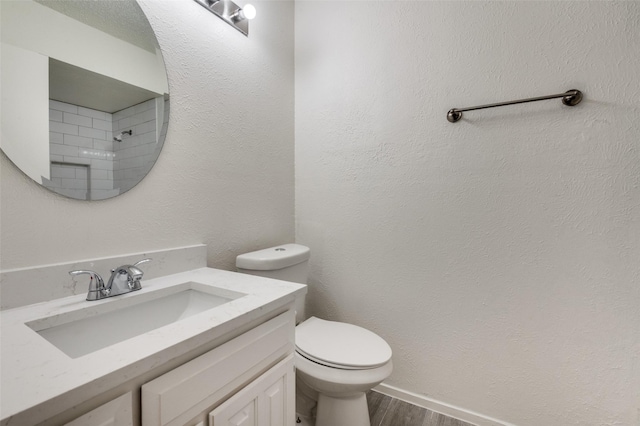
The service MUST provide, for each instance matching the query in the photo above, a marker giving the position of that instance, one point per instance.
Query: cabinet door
(117, 412)
(194, 388)
(245, 416)
(267, 401)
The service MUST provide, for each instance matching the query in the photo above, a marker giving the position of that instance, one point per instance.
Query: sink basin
(100, 325)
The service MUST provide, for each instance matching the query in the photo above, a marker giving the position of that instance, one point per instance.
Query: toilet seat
(341, 345)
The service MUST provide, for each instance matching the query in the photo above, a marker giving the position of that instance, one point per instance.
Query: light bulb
(249, 11)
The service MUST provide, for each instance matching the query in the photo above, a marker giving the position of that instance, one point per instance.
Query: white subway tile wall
(86, 163)
(137, 152)
(81, 153)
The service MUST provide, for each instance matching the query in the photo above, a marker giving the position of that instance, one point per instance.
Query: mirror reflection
(85, 109)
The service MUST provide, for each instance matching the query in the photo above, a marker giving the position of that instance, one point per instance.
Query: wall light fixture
(231, 13)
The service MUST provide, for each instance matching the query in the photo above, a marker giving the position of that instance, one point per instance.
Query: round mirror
(85, 98)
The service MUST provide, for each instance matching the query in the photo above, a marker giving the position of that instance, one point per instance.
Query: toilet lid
(341, 345)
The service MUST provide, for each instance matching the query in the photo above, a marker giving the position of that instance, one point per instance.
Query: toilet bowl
(336, 363)
(341, 362)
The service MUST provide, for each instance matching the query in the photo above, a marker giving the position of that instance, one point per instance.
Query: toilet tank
(288, 262)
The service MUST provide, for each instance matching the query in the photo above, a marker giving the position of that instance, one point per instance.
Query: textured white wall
(225, 175)
(499, 256)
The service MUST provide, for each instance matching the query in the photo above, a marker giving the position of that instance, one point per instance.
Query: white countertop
(34, 372)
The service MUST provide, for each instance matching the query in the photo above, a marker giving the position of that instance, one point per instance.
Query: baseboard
(439, 406)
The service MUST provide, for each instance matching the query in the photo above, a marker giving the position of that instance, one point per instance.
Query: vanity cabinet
(175, 374)
(246, 381)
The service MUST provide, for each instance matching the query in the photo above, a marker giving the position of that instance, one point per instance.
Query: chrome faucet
(97, 289)
(124, 279)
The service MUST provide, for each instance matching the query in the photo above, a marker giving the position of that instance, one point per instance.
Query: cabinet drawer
(117, 412)
(178, 396)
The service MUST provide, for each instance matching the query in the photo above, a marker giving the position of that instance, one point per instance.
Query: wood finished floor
(387, 411)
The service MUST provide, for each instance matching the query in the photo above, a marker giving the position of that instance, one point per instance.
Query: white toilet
(336, 363)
